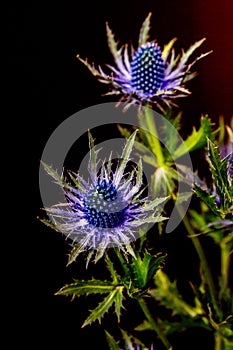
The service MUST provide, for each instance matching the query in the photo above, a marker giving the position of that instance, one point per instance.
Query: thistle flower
(147, 74)
(106, 210)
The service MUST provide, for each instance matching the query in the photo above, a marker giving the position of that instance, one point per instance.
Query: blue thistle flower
(106, 210)
(147, 74)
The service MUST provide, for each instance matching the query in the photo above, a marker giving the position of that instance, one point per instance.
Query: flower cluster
(147, 74)
(108, 209)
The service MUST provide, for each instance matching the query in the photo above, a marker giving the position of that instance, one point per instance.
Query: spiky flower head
(108, 209)
(148, 74)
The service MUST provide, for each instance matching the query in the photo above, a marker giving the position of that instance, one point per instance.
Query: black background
(46, 85)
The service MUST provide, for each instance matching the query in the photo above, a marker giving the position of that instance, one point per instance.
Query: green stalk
(225, 262)
(204, 263)
(154, 325)
(218, 342)
(152, 135)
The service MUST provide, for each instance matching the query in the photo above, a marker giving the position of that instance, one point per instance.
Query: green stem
(218, 342)
(225, 262)
(152, 135)
(204, 263)
(154, 325)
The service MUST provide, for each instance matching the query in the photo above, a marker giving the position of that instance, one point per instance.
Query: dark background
(46, 85)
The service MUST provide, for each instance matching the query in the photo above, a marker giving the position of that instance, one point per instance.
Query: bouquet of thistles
(123, 213)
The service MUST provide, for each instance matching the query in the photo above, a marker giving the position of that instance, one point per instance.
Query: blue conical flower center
(147, 70)
(107, 190)
(103, 207)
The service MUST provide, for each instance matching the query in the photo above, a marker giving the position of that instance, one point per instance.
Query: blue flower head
(108, 209)
(147, 74)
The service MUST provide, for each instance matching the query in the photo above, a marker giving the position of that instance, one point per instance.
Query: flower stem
(204, 263)
(225, 262)
(154, 325)
(147, 121)
(218, 342)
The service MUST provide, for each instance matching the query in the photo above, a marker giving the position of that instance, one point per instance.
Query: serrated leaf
(207, 198)
(143, 36)
(117, 53)
(190, 51)
(219, 169)
(114, 274)
(54, 174)
(196, 140)
(91, 68)
(115, 296)
(167, 294)
(74, 253)
(141, 267)
(145, 268)
(144, 326)
(79, 288)
(49, 224)
(154, 266)
(167, 49)
(111, 342)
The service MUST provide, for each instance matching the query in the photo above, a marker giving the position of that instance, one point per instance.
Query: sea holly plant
(116, 222)
(147, 74)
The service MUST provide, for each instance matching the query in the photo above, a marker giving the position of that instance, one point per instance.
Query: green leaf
(77, 180)
(114, 297)
(141, 268)
(112, 44)
(49, 224)
(167, 294)
(59, 179)
(219, 171)
(117, 53)
(111, 342)
(196, 140)
(145, 268)
(156, 263)
(79, 288)
(167, 49)
(74, 253)
(143, 36)
(91, 68)
(114, 274)
(208, 199)
(144, 326)
(190, 51)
